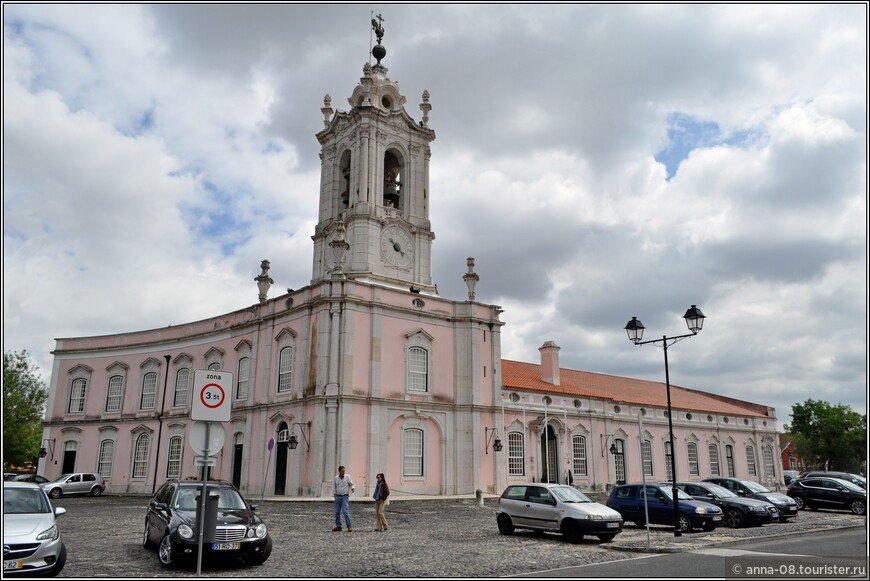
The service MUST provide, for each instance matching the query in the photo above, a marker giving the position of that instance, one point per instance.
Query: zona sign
(211, 401)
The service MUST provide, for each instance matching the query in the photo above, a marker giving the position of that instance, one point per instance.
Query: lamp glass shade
(634, 328)
(613, 449)
(694, 319)
(42, 453)
(497, 445)
(293, 442)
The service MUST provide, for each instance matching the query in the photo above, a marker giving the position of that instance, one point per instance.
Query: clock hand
(397, 247)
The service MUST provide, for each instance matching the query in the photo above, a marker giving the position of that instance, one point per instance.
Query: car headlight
(185, 532)
(261, 531)
(700, 510)
(48, 534)
(758, 508)
(776, 500)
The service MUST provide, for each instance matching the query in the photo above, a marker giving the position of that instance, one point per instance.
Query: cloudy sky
(598, 161)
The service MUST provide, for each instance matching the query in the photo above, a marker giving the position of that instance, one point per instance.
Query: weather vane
(378, 26)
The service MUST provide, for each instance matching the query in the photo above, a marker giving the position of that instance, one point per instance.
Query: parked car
(31, 539)
(855, 479)
(739, 512)
(9, 476)
(35, 478)
(628, 500)
(817, 492)
(748, 489)
(557, 508)
(78, 483)
(789, 475)
(171, 526)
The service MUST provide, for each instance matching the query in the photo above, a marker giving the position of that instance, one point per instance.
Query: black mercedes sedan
(739, 511)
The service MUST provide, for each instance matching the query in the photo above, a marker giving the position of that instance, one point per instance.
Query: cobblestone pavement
(426, 538)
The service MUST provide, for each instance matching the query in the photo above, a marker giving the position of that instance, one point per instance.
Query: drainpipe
(160, 424)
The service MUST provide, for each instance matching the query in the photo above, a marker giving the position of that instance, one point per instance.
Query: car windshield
(228, 498)
(681, 495)
(61, 478)
(719, 491)
(569, 494)
(850, 485)
(24, 501)
(753, 486)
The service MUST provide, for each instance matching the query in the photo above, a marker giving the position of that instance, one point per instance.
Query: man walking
(342, 488)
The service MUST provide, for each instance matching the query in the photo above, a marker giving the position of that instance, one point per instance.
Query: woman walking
(382, 491)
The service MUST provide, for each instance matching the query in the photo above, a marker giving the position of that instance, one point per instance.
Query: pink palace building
(369, 367)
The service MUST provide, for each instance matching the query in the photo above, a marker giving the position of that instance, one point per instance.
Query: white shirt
(342, 486)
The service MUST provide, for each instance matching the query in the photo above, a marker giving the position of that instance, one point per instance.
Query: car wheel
(571, 531)
(858, 507)
(799, 501)
(260, 558)
(640, 523)
(607, 538)
(55, 493)
(146, 540)
(61, 561)
(734, 518)
(96, 491)
(684, 524)
(505, 525)
(164, 552)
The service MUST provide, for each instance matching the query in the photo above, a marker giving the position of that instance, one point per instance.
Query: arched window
(182, 387)
(149, 391)
(767, 454)
(412, 452)
(113, 393)
(107, 454)
(173, 461)
(140, 456)
(692, 452)
(714, 458)
(285, 369)
(669, 465)
(216, 366)
(418, 369)
(516, 454)
(242, 378)
(579, 445)
(646, 456)
(77, 396)
(750, 461)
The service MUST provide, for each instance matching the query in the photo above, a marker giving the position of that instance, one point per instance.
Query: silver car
(31, 539)
(78, 483)
(558, 508)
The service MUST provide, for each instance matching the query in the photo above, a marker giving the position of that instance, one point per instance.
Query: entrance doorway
(281, 460)
(549, 456)
(69, 457)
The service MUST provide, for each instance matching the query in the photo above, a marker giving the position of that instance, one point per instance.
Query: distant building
(791, 460)
(369, 367)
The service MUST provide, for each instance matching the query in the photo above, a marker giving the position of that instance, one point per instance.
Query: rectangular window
(669, 465)
(418, 369)
(516, 454)
(729, 460)
(750, 460)
(580, 466)
(285, 369)
(77, 396)
(692, 450)
(413, 453)
(767, 453)
(646, 454)
(149, 391)
(113, 393)
(107, 452)
(182, 387)
(173, 463)
(714, 459)
(242, 379)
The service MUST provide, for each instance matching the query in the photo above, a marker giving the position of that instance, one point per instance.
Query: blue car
(628, 500)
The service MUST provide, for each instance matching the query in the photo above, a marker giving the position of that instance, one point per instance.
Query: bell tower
(373, 224)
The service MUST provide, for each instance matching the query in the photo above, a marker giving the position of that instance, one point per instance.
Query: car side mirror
(253, 507)
(160, 505)
(663, 499)
(711, 496)
(551, 501)
(59, 511)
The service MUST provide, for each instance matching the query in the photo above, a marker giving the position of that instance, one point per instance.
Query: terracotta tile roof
(527, 377)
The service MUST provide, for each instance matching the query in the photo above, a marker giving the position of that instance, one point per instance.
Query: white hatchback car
(555, 507)
(31, 539)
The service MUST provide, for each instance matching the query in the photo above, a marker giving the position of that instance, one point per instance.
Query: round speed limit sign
(211, 401)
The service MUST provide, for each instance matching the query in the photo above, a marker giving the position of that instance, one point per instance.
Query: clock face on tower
(397, 246)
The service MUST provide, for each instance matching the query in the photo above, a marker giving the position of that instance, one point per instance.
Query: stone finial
(326, 110)
(470, 278)
(425, 107)
(339, 247)
(264, 281)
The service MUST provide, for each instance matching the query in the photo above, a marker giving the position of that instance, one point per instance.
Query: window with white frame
(580, 465)
(114, 392)
(104, 461)
(692, 452)
(216, 366)
(77, 396)
(669, 465)
(182, 387)
(750, 460)
(646, 456)
(412, 452)
(714, 458)
(149, 391)
(418, 369)
(242, 378)
(767, 454)
(516, 454)
(792, 462)
(285, 369)
(173, 461)
(140, 456)
(729, 460)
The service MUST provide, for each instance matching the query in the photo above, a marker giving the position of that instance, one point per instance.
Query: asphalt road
(426, 538)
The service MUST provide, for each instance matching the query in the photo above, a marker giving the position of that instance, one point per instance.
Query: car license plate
(612, 525)
(224, 546)
(11, 565)
(717, 518)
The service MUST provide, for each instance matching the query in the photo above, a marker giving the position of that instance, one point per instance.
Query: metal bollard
(478, 494)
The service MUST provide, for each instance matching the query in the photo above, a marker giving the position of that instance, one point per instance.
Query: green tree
(24, 396)
(826, 436)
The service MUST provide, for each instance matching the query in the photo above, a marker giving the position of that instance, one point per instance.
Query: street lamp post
(695, 321)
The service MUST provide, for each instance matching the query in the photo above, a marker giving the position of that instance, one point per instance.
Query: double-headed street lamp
(695, 321)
